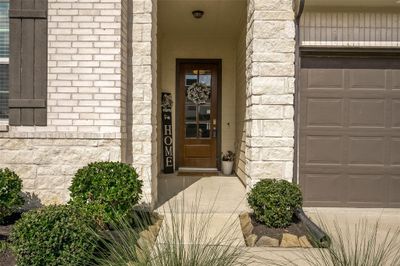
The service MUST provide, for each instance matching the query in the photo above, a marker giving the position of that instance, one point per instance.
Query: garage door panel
(395, 152)
(395, 79)
(324, 150)
(367, 112)
(396, 113)
(367, 189)
(366, 150)
(325, 78)
(367, 79)
(394, 189)
(323, 188)
(324, 112)
(349, 143)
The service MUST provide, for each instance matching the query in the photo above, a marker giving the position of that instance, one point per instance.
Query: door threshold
(197, 169)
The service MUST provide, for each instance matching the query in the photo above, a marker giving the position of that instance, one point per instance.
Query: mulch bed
(7, 257)
(296, 228)
(258, 234)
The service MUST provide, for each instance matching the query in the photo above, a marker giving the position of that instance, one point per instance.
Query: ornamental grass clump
(274, 202)
(10, 193)
(361, 244)
(184, 239)
(109, 190)
(54, 235)
(358, 246)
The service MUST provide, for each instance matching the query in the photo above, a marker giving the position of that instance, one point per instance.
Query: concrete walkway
(219, 200)
(216, 200)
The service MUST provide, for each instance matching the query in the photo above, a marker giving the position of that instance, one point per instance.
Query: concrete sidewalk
(225, 197)
(218, 199)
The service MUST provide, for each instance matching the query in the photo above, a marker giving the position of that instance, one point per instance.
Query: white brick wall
(84, 81)
(84, 69)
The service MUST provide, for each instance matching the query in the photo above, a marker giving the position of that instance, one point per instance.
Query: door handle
(214, 133)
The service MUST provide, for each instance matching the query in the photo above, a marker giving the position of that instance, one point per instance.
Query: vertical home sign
(166, 108)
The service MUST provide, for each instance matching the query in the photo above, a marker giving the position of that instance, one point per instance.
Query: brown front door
(197, 107)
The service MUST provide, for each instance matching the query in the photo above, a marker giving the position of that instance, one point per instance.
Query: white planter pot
(227, 167)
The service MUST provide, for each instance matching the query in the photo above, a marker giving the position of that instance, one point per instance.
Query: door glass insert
(191, 77)
(198, 113)
(204, 130)
(191, 130)
(205, 77)
(190, 113)
(204, 112)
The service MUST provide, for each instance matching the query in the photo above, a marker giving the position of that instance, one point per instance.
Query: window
(4, 54)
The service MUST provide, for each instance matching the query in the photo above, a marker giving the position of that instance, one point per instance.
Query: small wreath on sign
(166, 103)
(198, 93)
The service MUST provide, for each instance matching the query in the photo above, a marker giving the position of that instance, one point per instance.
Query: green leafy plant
(274, 202)
(53, 235)
(10, 193)
(185, 238)
(3, 246)
(109, 190)
(228, 156)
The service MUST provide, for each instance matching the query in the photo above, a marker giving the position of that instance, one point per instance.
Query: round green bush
(108, 189)
(53, 235)
(274, 202)
(10, 193)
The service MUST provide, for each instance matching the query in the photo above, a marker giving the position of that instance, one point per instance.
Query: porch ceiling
(221, 18)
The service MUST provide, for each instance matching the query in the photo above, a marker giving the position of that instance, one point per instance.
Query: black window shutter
(28, 63)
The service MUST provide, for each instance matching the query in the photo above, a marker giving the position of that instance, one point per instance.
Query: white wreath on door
(198, 93)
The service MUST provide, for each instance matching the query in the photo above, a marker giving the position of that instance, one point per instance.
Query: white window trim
(4, 61)
(4, 121)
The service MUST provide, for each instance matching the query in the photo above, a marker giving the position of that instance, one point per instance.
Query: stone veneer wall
(47, 165)
(144, 104)
(270, 88)
(84, 100)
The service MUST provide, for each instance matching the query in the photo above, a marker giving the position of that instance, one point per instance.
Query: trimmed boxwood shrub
(274, 202)
(53, 235)
(108, 189)
(10, 193)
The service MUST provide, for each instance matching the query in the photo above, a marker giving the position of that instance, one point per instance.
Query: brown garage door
(349, 125)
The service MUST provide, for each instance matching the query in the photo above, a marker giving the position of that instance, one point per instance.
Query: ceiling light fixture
(198, 13)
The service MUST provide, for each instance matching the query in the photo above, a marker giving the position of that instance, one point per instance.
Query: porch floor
(217, 194)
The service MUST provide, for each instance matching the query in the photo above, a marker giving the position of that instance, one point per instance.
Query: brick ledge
(4, 134)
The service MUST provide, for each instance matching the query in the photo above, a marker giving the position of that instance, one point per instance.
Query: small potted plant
(227, 162)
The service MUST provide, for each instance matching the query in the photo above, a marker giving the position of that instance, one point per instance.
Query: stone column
(144, 94)
(270, 45)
